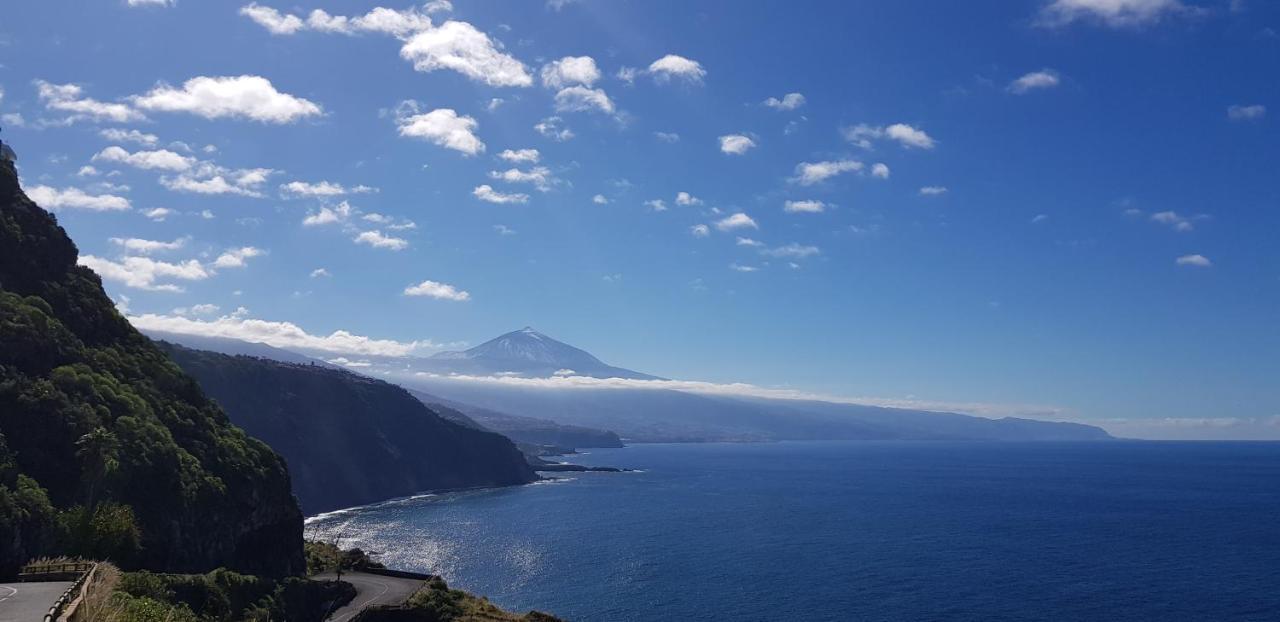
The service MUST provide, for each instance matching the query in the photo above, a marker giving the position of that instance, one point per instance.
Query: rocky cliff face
(95, 416)
(350, 439)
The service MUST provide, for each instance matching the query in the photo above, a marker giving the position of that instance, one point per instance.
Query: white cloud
(281, 335)
(736, 221)
(599, 199)
(438, 6)
(790, 101)
(1172, 219)
(249, 97)
(804, 207)
(146, 247)
(137, 3)
(810, 173)
(933, 191)
(376, 239)
(486, 192)
(667, 137)
(673, 66)
(161, 159)
(741, 241)
(320, 272)
(551, 127)
(1039, 218)
(1246, 113)
(880, 169)
(504, 230)
(736, 144)
(328, 216)
(1113, 13)
(741, 268)
(684, 198)
(1199, 261)
(132, 136)
(87, 171)
(321, 189)
(144, 272)
(628, 75)
(69, 98)
(216, 184)
(657, 205)
(158, 214)
(200, 309)
(379, 20)
(863, 135)
(274, 21)
(75, 198)
(237, 257)
(443, 127)
(793, 249)
(569, 71)
(460, 47)
(583, 99)
(1043, 79)
(439, 291)
(520, 156)
(539, 176)
(700, 231)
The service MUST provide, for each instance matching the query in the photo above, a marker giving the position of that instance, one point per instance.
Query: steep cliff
(132, 460)
(350, 439)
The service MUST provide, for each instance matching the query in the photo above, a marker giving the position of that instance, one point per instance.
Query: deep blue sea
(862, 531)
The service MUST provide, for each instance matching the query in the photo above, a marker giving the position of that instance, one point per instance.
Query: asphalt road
(371, 589)
(28, 602)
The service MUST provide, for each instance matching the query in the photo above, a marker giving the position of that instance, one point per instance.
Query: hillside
(106, 448)
(349, 439)
(529, 430)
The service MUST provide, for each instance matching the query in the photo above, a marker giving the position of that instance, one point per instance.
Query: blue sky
(1066, 209)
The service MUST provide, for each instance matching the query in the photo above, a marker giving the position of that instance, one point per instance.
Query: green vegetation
(107, 450)
(327, 557)
(224, 596)
(435, 602)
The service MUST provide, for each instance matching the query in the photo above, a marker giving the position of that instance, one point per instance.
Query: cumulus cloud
(551, 127)
(933, 191)
(281, 335)
(790, 101)
(741, 241)
(1035, 80)
(864, 135)
(736, 144)
(131, 136)
(657, 205)
(677, 67)
(144, 272)
(667, 137)
(880, 169)
(437, 290)
(700, 231)
(247, 97)
(147, 247)
(442, 126)
(570, 70)
(1246, 113)
(684, 198)
(520, 156)
(1199, 261)
(328, 215)
(583, 99)
(736, 221)
(540, 176)
(1173, 220)
(158, 214)
(458, 46)
(737, 267)
(486, 192)
(379, 20)
(377, 239)
(237, 257)
(321, 189)
(75, 198)
(160, 159)
(810, 173)
(161, 3)
(319, 273)
(599, 199)
(70, 99)
(1113, 13)
(804, 207)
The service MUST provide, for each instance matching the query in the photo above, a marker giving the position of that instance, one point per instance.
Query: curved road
(371, 589)
(28, 602)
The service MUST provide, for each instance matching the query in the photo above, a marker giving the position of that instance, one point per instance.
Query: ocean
(861, 531)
